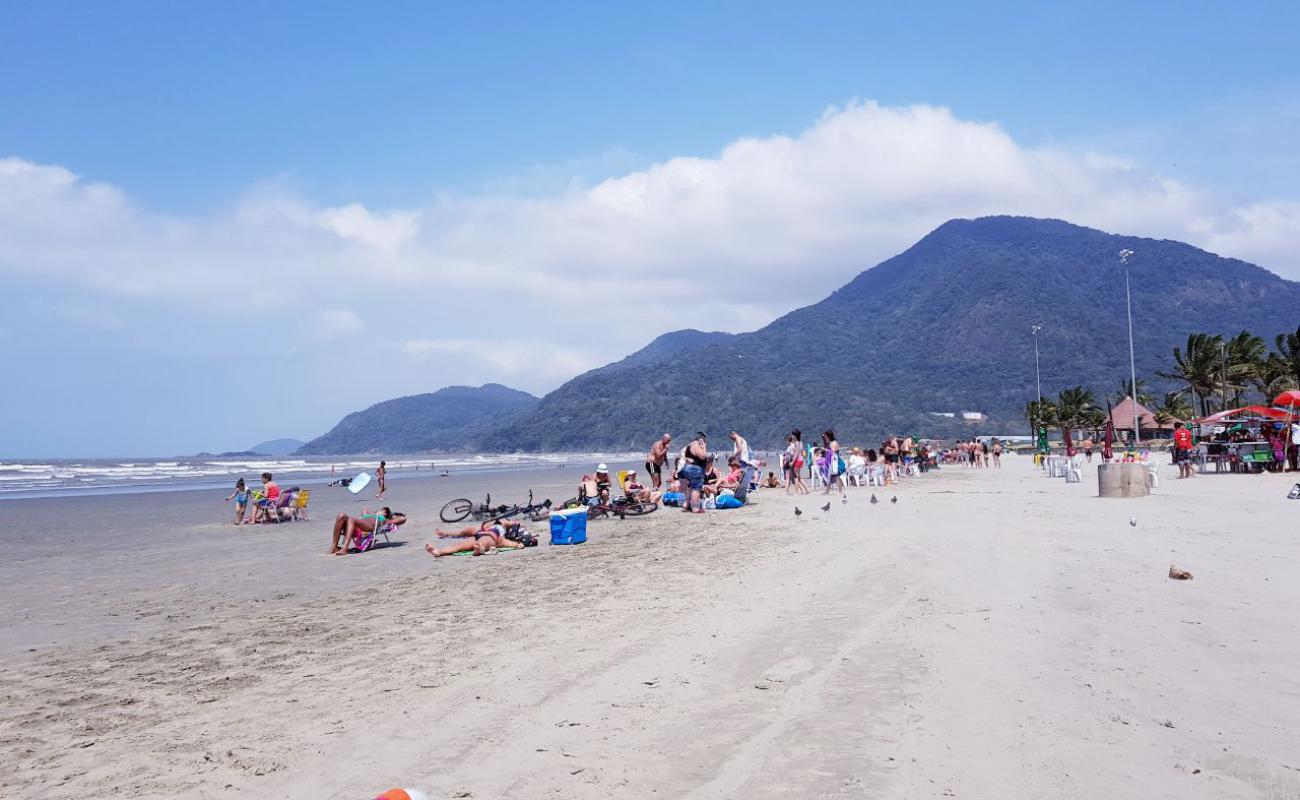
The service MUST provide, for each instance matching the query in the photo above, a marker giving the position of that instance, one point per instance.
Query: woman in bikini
(346, 527)
(481, 539)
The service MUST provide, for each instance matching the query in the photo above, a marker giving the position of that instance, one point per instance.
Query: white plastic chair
(1074, 474)
(1153, 474)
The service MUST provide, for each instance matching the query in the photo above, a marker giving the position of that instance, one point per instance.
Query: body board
(360, 482)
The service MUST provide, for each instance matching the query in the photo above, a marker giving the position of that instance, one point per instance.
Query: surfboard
(360, 482)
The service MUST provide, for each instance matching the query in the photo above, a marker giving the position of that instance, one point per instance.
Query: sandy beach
(993, 634)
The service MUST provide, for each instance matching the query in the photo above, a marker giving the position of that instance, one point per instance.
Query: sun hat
(602, 468)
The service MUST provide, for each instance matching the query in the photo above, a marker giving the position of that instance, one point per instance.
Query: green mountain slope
(943, 327)
(453, 418)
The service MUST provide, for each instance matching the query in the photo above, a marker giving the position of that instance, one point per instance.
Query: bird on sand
(826, 507)
(874, 500)
(1133, 521)
(797, 512)
(894, 499)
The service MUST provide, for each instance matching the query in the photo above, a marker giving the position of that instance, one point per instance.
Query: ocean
(75, 477)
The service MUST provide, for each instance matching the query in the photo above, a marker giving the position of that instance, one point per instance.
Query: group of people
(268, 504)
(695, 476)
(979, 454)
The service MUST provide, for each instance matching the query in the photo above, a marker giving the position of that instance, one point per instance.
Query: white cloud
(721, 242)
(330, 325)
(525, 362)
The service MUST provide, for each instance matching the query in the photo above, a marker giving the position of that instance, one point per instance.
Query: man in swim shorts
(654, 463)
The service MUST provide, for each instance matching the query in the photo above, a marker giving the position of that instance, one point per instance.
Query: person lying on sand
(468, 531)
(483, 539)
(346, 527)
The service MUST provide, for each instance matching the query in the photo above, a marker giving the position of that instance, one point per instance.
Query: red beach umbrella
(1291, 397)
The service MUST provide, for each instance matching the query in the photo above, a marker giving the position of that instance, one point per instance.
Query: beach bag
(839, 465)
(673, 498)
(727, 501)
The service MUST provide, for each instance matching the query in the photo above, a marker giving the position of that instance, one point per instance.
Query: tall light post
(1037, 374)
(1124, 256)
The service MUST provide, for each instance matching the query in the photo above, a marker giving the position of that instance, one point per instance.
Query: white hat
(602, 468)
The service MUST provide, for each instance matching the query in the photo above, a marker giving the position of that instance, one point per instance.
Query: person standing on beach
(654, 462)
(997, 454)
(796, 456)
(695, 459)
(740, 453)
(241, 501)
(1293, 451)
(834, 467)
(381, 476)
(1183, 450)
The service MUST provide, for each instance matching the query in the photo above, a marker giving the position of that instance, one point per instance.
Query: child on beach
(241, 501)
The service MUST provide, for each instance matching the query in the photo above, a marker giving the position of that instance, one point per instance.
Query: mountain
(453, 418)
(277, 447)
(941, 327)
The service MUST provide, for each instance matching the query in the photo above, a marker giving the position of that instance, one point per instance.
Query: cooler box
(569, 526)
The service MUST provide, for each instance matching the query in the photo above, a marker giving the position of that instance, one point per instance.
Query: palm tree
(1246, 356)
(1094, 420)
(1073, 411)
(1284, 365)
(1199, 367)
(1175, 408)
(1143, 396)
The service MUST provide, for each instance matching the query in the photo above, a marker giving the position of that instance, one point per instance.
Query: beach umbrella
(1290, 399)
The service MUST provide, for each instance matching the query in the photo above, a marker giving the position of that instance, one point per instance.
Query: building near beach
(1121, 416)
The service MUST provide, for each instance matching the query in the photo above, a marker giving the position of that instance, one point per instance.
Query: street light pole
(1124, 256)
(1037, 374)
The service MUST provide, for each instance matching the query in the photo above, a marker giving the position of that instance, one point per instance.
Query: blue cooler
(569, 526)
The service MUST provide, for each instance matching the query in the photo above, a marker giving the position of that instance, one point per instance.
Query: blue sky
(221, 223)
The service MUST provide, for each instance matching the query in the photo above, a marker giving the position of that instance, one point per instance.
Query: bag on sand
(1294, 494)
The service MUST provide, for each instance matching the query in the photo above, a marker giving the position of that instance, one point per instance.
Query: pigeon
(1133, 521)
(874, 500)
(826, 507)
(894, 499)
(797, 512)
(844, 500)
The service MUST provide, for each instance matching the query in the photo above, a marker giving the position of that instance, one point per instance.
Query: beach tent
(1246, 412)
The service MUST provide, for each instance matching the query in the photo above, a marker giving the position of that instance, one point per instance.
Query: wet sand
(992, 634)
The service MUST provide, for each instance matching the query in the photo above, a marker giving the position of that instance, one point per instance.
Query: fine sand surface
(996, 634)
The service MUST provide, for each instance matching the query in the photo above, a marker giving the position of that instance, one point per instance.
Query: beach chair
(299, 509)
(1074, 472)
(1153, 474)
(875, 475)
(368, 541)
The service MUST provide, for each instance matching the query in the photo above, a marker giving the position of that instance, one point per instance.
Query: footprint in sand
(783, 671)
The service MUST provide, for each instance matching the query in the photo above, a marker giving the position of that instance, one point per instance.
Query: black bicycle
(621, 507)
(459, 509)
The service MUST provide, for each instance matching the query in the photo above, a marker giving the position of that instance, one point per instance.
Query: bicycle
(621, 507)
(459, 509)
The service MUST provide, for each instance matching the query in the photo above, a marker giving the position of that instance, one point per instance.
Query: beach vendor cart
(1237, 440)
